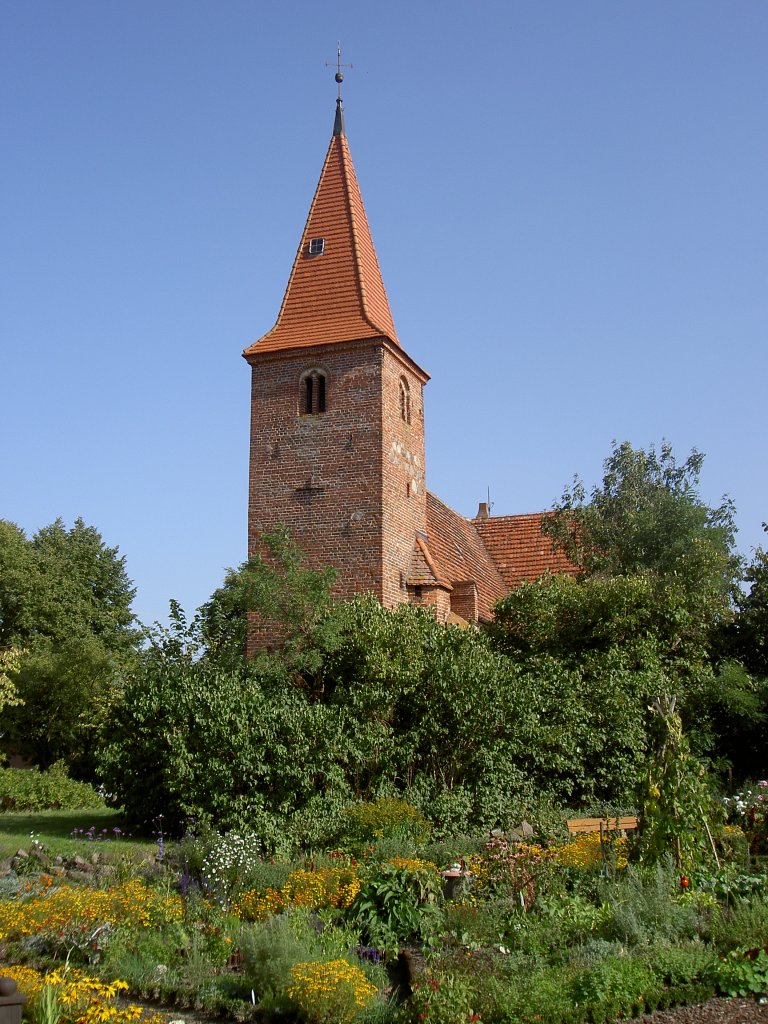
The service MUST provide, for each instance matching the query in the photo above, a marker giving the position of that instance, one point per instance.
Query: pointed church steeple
(335, 292)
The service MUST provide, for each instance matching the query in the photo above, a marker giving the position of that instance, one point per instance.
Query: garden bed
(538, 930)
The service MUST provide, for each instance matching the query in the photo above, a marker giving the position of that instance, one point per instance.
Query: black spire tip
(338, 123)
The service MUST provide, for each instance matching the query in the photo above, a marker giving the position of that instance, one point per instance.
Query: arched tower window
(405, 401)
(312, 393)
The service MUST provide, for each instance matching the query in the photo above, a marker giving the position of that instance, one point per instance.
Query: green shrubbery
(33, 790)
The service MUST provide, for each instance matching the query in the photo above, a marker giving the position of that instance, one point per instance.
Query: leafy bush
(439, 999)
(386, 818)
(643, 908)
(193, 741)
(743, 972)
(744, 922)
(684, 971)
(614, 987)
(24, 789)
(397, 904)
(538, 993)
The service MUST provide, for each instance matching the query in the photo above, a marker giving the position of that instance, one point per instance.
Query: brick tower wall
(404, 503)
(349, 482)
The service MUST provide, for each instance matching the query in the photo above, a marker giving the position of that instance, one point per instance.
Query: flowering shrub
(388, 817)
(589, 851)
(413, 864)
(749, 810)
(68, 909)
(514, 869)
(330, 993)
(230, 858)
(312, 890)
(79, 998)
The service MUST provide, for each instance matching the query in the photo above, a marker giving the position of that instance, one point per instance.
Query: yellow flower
(586, 851)
(329, 993)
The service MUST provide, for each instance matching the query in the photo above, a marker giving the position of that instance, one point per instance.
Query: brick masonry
(349, 482)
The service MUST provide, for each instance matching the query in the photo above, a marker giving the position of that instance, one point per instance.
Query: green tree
(9, 665)
(647, 517)
(65, 600)
(751, 626)
(394, 703)
(279, 592)
(569, 618)
(631, 624)
(591, 654)
(744, 656)
(194, 740)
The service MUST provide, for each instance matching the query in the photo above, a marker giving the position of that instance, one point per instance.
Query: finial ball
(339, 77)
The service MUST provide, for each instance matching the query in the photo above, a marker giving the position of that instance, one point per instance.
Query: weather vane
(339, 77)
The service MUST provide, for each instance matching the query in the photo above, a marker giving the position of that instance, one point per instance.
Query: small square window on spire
(316, 246)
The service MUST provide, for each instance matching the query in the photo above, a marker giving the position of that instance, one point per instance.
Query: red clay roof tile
(460, 554)
(339, 295)
(519, 549)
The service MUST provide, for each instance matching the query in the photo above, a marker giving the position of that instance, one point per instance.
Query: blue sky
(568, 200)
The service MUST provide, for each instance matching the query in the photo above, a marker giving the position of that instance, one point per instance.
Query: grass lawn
(53, 829)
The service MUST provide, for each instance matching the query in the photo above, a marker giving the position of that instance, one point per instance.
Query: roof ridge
(510, 515)
(345, 170)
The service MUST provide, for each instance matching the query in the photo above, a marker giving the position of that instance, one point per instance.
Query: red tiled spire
(337, 295)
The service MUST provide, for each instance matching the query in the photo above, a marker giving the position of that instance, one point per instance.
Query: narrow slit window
(312, 396)
(316, 246)
(405, 401)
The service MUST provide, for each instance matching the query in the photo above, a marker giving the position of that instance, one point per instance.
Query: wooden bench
(577, 826)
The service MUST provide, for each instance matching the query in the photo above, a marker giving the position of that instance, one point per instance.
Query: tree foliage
(647, 517)
(10, 658)
(398, 704)
(676, 804)
(65, 601)
(751, 627)
(278, 591)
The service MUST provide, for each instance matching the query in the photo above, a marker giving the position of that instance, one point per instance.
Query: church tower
(337, 413)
